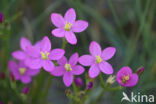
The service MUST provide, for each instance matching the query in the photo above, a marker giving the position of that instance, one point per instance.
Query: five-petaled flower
(21, 54)
(97, 59)
(68, 68)
(21, 71)
(68, 25)
(42, 55)
(126, 78)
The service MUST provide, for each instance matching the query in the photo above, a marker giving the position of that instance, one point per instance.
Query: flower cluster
(31, 58)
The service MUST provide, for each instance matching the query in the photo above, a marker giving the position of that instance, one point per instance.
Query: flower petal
(24, 43)
(58, 71)
(77, 70)
(62, 61)
(68, 79)
(45, 44)
(26, 79)
(70, 15)
(56, 54)
(124, 71)
(59, 32)
(34, 63)
(94, 71)
(108, 53)
(32, 72)
(86, 60)
(132, 81)
(70, 37)
(33, 51)
(12, 65)
(74, 58)
(57, 20)
(95, 49)
(106, 68)
(20, 55)
(79, 26)
(48, 65)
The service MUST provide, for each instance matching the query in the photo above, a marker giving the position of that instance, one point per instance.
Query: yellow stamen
(125, 78)
(45, 55)
(22, 71)
(67, 26)
(68, 67)
(98, 59)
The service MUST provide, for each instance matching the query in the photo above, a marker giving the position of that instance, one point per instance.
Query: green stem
(101, 80)
(47, 88)
(64, 43)
(74, 88)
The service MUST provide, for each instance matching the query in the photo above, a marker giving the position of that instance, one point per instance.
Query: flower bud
(90, 85)
(140, 70)
(78, 81)
(2, 75)
(68, 92)
(25, 90)
(12, 77)
(1, 18)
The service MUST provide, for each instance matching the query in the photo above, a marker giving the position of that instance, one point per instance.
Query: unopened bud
(140, 70)
(78, 81)
(25, 90)
(90, 85)
(2, 75)
(1, 17)
(68, 92)
(12, 77)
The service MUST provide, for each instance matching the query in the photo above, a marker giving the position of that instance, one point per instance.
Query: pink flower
(98, 59)
(67, 26)
(126, 78)
(68, 68)
(21, 54)
(21, 71)
(42, 55)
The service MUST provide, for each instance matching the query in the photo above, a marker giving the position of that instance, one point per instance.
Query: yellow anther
(125, 78)
(68, 67)
(45, 55)
(67, 26)
(98, 59)
(22, 71)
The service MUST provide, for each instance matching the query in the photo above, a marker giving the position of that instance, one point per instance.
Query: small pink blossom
(21, 54)
(41, 55)
(98, 59)
(21, 71)
(68, 25)
(68, 68)
(126, 78)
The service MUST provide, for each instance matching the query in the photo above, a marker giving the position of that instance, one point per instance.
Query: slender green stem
(47, 88)
(74, 88)
(101, 80)
(64, 43)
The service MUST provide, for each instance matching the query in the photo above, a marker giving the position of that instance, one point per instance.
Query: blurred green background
(129, 25)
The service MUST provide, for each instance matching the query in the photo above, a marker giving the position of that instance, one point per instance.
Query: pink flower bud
(78, 81)
(25, 90)
(1, 17)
